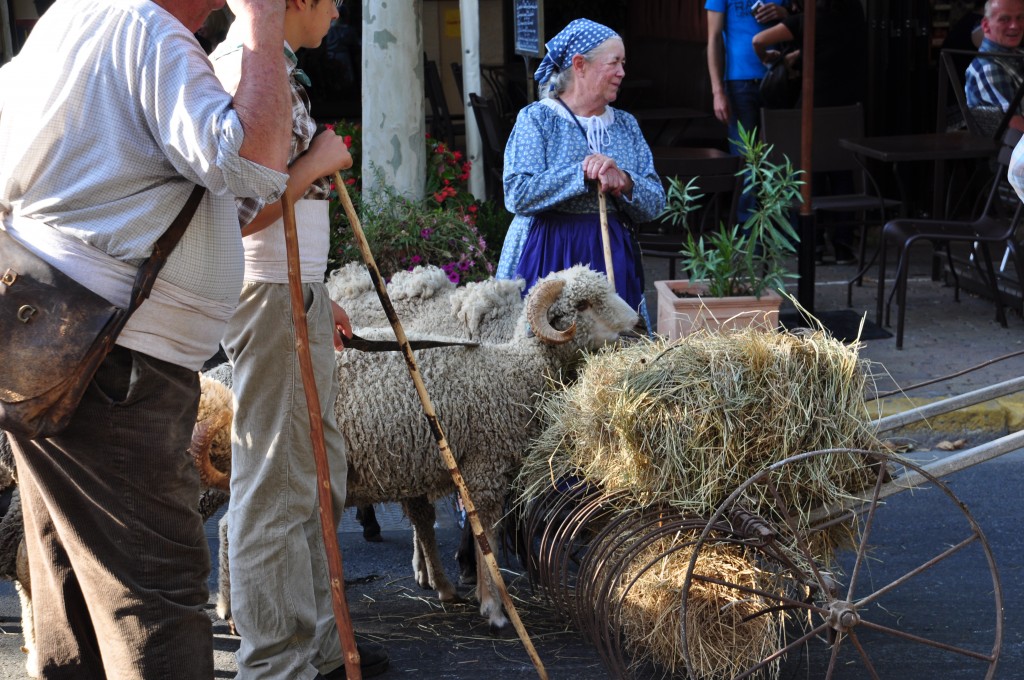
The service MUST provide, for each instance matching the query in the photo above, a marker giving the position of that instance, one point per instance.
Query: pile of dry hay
(723, 635)
(682, 425)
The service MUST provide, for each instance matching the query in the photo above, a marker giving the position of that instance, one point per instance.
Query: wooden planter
(679, 316)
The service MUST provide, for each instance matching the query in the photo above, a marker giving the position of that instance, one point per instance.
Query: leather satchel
(56, 332)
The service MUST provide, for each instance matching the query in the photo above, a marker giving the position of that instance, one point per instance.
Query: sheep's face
(588, 302)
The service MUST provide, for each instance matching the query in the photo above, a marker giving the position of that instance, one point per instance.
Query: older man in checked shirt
(992, 82)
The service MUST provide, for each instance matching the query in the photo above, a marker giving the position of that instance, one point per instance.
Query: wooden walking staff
(435, 425)
(602, 206)
(316, 433)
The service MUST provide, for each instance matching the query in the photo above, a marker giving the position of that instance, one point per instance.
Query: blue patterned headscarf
(579, 37)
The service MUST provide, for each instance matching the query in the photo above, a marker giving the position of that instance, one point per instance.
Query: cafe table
(936, 147)
(933, 147)
(666, 126)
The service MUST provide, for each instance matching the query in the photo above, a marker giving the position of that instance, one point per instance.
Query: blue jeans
(744, 108)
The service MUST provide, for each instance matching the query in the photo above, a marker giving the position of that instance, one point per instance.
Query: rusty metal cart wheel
(835, 607)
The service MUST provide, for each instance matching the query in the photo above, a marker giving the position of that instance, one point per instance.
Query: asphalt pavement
(943, 338)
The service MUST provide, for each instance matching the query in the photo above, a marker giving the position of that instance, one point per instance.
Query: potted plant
(735, 272)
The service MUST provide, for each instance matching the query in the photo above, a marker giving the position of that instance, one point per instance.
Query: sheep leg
(466, 557)
(23, 585)
(426, 559)
(367, 518)
(224, 576)
(487, 589)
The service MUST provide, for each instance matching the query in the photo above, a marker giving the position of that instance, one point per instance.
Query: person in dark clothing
(839, 45)
(839, 80)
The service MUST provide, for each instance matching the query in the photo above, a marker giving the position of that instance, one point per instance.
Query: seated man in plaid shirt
(992, 82)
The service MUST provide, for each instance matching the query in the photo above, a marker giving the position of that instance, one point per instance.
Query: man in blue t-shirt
(734, 68)
(736, 71)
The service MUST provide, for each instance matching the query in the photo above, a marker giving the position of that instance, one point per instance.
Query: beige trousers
(280, 589)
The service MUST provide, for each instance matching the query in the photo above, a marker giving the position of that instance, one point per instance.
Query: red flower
(347, 139)
(457, 155)
(329, 126)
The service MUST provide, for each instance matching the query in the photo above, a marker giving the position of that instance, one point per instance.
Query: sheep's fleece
(483, 397)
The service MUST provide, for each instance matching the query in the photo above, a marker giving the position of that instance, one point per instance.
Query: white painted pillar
(469, 13)
(393, 117)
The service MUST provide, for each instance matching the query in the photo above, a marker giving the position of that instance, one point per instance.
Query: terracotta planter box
(679, 316)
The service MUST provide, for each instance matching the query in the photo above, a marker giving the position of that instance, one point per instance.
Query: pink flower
(415, 259)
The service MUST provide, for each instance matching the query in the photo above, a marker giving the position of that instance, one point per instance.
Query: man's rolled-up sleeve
(243, 177)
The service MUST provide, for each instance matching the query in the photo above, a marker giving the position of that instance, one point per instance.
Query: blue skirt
(558, 241)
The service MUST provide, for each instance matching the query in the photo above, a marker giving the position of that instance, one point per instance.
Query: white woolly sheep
(483, 397)
(427, 302)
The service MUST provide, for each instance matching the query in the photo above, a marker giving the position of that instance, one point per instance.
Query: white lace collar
(596, 127)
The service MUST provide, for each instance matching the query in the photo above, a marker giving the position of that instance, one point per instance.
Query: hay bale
(723, 638)
(678, 426)
(683, 424)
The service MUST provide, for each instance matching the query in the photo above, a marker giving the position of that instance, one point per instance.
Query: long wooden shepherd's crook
(435, 424)
(602, 207)
(316, 433)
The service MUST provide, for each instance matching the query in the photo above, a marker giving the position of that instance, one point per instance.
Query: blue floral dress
(556, 223)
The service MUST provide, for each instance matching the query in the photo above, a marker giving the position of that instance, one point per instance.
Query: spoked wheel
(859, 590)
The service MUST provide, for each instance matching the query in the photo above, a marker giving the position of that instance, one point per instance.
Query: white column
(393, 116)
(469, 14)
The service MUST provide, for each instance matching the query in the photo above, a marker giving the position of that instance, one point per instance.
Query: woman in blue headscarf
(566, 148)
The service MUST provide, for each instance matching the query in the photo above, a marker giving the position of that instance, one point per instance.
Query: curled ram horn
(202, 439)
(540, 300)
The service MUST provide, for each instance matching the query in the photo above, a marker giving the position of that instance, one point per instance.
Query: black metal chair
(782, 129)
(443, 125)
(494, 137)
(714, 173)
(985, 121)
(997, 225)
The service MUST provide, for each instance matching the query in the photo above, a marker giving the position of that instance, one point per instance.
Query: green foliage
(745, 259)
(448, 228)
